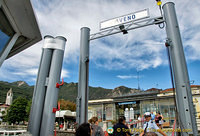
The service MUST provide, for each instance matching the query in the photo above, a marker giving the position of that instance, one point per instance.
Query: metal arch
(180, 72)
(128, 26)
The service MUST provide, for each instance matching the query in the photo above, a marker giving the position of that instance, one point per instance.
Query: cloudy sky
(114, 60)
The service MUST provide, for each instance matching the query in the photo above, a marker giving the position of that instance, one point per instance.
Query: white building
(4, 107)
(9, 97)
(67, 118)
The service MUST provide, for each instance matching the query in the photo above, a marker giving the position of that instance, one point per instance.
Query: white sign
(126, 114)
(124, 19)
(131, 113)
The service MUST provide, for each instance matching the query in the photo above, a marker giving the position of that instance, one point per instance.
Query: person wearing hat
(150, 125)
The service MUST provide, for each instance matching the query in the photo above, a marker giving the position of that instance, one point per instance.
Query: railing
(13, 132)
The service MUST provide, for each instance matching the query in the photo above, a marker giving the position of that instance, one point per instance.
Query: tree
(28, 108)
(17, 111)
(67, 105)
(3, 112)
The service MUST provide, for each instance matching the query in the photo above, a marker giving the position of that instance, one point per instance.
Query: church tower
(9, 97)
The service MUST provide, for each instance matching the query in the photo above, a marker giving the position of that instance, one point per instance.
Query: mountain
(20, 83)
(19, 88)
(68, 91)
(121, 90)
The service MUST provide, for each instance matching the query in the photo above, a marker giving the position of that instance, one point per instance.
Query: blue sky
(114, 60)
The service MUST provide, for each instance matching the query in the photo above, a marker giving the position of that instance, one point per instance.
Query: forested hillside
(68, 91)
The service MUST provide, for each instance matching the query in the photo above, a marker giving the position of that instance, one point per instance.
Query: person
(142, 120)
(96, 129)
(61, 126)
(150, 126)
(152, 115)
(120, 129)
(84, 130)
(139, 121)
(159, 120)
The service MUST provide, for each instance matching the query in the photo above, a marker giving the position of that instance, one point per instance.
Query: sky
(137, 59)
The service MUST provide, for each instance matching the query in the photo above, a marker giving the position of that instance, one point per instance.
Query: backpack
(98, 132)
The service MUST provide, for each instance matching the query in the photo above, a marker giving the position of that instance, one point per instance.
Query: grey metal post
(48, 117)
(83, 90)
(186, 110)
(40, 89)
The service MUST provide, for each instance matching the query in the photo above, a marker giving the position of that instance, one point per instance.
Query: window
(19, 43)
(6, 31)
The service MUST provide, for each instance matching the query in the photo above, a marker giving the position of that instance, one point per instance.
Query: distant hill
(19, 88)
(121, 90)
(68, 91)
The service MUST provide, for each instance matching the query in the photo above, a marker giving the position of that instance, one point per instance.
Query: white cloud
(24, 66)
(64, 73)
(117, 55)
(30, 72)
(67, 17)
(126, 76)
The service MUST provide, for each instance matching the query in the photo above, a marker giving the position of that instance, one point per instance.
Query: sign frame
(122, 19)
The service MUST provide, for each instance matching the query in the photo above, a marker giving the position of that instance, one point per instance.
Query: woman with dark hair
(96, 129)
(159, 120)
(83, 130)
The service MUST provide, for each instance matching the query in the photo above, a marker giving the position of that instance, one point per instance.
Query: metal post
(40, 90)
(186, 110)
(83, 90)
(102, 112)
(48, 117)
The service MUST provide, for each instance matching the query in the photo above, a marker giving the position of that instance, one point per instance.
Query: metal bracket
(78, 108)
(122, 28)
(56, 109)
(168, 43)
(128, 26)
(58, 85)
(47, 81)
(86, 60)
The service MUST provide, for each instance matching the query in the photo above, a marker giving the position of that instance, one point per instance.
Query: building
(3, 110)
(9, 97)
(18, 27)
(195, 93)
(67, 118)
(133, 105)
(4, 107)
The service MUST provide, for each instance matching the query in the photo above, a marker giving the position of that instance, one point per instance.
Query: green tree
(67, 105)
(17, 111)
(28, 108)
(3, 112)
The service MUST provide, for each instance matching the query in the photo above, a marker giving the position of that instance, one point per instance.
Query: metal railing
(13, 132)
